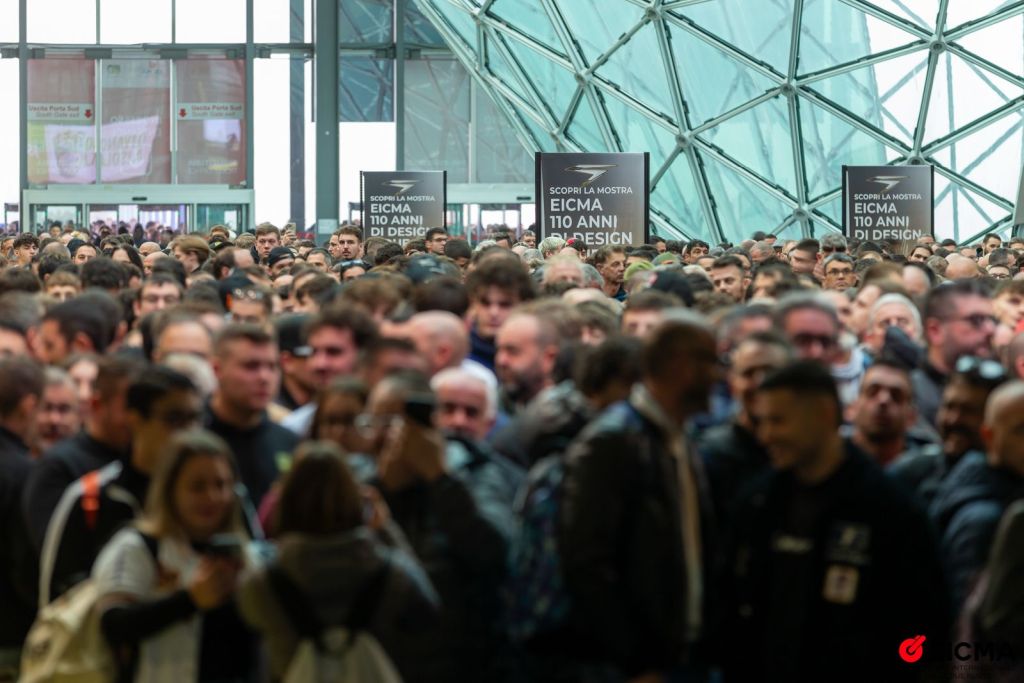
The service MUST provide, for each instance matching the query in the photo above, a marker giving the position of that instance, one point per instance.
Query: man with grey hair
(564, 269)
(761, 251)
(549, 246)
(839, 272)
(467, 402)
(592, 278)
(832, 243)
(891, 310)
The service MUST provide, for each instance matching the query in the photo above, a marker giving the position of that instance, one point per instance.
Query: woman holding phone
(166, 584)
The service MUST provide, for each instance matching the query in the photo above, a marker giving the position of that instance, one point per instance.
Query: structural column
(325, 34)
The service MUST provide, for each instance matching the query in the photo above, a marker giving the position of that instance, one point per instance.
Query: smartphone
(419, 408)
(225, 545)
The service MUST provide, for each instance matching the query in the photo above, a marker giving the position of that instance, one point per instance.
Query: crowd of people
(521, 460)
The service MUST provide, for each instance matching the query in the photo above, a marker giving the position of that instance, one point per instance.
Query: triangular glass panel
(961, 213)
(711, 82)
(460, 21)
(584, 129)
(760, 29)
(829, 142)
(638, 69)
(503, 71)
(958, 13)
(678, 200)
(921, 13)
(985, 156)
(529, 17)
(833, 209)
(545, 142)
(759, 138)
(833, 32)
(595, 32)
(742, 206)
(861, 93)
(637, 133)
(999, 44)
(555, 83)
(949, 109)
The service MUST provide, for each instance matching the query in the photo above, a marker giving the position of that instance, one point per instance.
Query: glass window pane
(61, 121)
(202, 21)
(272, 21)
(437, 117)
(418, 28)
(8, 22)
(76, 24)
(210, 114)
(365, 21)
(135, 136)
(366, 89)
(500, 155)
(273, 158)
(9, 148)
(131, 21)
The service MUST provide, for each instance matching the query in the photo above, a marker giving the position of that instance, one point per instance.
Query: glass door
(172, 216)
(209, 215)
(42, 216)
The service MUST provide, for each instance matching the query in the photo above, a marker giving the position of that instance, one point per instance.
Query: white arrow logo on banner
(402, 185)
(595, 171)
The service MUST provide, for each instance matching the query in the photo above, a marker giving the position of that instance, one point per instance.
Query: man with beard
(959, 321)
(528, 345)
(610, 261)
(346, 243)
(883, 411)
(959, 420)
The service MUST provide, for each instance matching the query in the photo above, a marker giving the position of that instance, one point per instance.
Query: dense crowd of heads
(544, 460)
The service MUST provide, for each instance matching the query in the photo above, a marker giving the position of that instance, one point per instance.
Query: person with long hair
(338, 547)
(166, 583)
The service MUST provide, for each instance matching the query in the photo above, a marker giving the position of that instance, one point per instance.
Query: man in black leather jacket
(635, 524)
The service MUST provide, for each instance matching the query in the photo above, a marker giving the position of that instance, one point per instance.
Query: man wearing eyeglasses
(959, 320)
(839, 273)
(833, 243)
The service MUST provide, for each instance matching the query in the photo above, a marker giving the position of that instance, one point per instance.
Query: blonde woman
(167, 583)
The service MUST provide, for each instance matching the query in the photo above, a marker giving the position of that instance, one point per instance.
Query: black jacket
(73, 542)
(17, 558)
(621, 543)
(733, 458)
(459, 528)
(928, 385)
(547, 425)
(60, 466)
(966, 510)
(923, 470)
(826, 581)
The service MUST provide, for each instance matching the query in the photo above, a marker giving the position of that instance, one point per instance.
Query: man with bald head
(633, 553)
(961, 268)
(440, 337)
(967, 523)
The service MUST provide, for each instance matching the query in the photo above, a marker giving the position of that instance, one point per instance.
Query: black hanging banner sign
(600, 198)
(402, 205)
(888, 202)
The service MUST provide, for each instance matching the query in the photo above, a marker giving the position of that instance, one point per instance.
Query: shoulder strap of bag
(91, 498)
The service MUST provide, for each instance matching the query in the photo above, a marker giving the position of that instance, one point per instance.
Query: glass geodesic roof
(749, 108)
